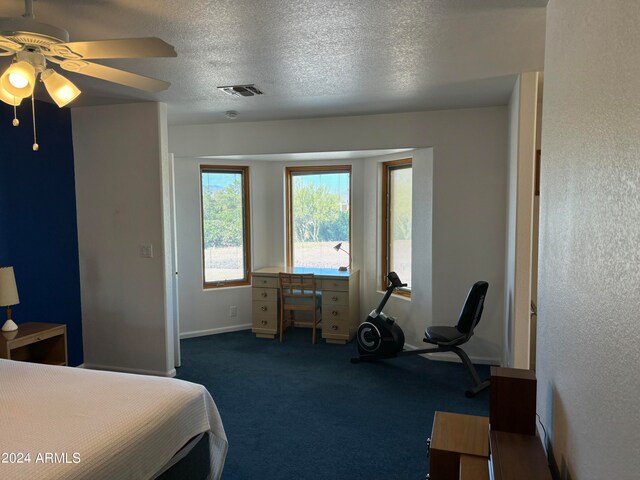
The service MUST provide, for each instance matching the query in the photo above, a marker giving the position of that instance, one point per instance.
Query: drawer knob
(334, 298)
(39, 338)
(264, 281)
(334, 327)
(263, 322)
(263, 294)
(334, 313)
(263, 308)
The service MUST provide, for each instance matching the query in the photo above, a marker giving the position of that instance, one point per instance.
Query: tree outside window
(318, 202)
(225, 220)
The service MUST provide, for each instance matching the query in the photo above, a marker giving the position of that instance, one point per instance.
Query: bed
(72, 423)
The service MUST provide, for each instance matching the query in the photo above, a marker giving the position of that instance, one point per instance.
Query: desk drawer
(335, 314)
(264, 294)
(330, 298)
(264, 318)
(340, 285)
(264, 282)
(265, 323)
(333, 327)
(265, 309)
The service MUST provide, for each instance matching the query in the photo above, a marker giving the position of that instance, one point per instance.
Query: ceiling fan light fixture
(33, 44)
(61, 90)
(19, 79)
(9, 99)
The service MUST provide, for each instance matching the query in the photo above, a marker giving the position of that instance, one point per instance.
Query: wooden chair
(298, 293)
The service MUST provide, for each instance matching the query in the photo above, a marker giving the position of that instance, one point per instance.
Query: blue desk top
(321, 272)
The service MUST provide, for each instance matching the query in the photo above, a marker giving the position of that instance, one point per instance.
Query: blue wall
(38, 229)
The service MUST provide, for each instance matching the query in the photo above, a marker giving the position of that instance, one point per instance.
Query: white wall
(520, 211)
(119, 151)
(589, 276)
(469, 192)
(469, 148)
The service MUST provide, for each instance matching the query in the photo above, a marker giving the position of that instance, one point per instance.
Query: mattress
(71, 423)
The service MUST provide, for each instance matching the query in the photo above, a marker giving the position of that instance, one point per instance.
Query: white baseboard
(91, 366)
(213, 331)
(452, 357)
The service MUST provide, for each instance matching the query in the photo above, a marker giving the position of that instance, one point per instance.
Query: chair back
(298, 285)
(472, 308)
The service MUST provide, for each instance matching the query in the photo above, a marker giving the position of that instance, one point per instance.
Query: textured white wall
(469, 194)
(589, 276)
(118, 153)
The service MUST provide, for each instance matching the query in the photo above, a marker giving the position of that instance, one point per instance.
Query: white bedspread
(86, 424)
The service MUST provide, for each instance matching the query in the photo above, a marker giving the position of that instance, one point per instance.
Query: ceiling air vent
(241, 90)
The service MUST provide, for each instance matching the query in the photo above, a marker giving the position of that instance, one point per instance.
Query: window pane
(400, 223)
(223, 226)
(320, 206)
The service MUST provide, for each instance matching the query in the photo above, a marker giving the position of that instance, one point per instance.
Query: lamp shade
(61, 90)
(9, 99)
(19, 79)
(337, 247)
(8, 289)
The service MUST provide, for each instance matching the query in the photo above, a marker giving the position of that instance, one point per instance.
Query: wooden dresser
(340, 293)
(504, 446)
(459, 444)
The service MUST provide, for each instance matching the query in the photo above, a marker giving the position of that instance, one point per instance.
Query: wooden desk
(340, 302)
(37, 343)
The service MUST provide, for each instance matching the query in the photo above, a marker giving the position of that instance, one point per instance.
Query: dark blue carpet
(294, 410)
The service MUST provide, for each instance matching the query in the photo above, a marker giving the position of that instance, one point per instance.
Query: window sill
(396, 295)
(217, 288)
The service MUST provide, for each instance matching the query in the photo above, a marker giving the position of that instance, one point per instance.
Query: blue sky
(212, 182)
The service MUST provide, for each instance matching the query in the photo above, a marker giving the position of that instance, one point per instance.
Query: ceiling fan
(33, 45)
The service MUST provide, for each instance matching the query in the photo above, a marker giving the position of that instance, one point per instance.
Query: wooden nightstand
(37, 343)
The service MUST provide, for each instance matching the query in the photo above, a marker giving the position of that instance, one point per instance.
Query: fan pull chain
(33, 111)
(15, 122)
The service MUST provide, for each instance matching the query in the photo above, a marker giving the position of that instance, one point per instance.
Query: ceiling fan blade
(119, 48)
(114, 75)
(9, 45)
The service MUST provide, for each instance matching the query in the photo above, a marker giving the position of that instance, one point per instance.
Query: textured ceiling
(311, 58)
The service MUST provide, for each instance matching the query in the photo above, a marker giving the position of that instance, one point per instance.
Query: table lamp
(337, 248)
(8, 296)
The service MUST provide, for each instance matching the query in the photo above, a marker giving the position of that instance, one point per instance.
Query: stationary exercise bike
(380, 337)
